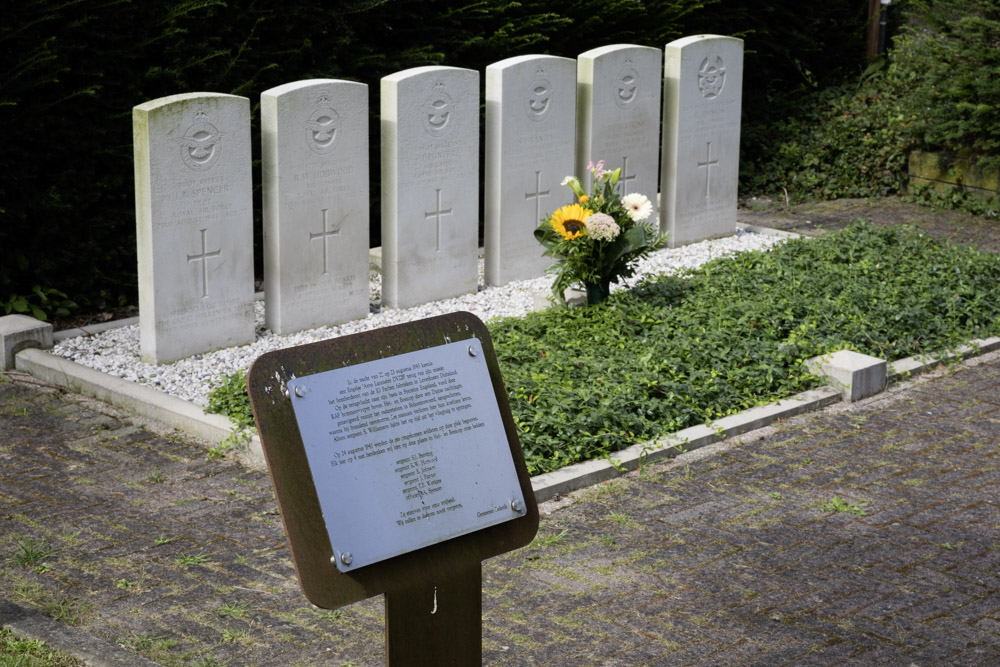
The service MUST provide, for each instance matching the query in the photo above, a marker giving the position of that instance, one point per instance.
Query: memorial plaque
(406, 451)
(396, 467)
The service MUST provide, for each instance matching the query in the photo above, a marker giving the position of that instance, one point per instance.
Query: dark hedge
(72, 71)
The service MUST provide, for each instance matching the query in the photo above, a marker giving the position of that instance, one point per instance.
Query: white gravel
(116, 351)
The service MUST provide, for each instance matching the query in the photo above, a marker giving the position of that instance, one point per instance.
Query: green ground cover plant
(688, 349)
(38, 304)
(685, 350)
(227, 399)
(230, 399)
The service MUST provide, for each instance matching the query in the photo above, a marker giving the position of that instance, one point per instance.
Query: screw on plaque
(300, 391)
(517, 506)
(346, 558)
(473, 352)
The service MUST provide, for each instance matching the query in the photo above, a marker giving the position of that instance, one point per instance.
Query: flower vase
(598, 292)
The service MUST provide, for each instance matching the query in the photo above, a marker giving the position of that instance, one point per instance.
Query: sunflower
(569, 221)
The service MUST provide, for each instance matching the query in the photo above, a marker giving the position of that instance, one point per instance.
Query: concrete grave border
(190, 418)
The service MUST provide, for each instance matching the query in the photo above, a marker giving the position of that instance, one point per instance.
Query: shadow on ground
(816, 217)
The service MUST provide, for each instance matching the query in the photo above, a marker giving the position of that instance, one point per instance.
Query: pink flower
(598, 169)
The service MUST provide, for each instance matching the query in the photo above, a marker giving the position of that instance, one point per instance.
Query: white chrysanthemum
(638, 207)
(602, 227)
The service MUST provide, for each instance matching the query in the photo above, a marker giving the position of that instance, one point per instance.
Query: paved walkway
(817, 217)
(864, 534)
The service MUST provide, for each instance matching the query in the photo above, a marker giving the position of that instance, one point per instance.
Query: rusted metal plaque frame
(322, 583)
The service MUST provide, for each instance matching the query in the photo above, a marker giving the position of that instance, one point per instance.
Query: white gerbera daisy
(638, 206)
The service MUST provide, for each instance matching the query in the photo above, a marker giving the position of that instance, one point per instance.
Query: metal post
(436, 620)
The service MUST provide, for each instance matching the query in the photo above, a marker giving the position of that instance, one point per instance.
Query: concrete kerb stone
(858, 375)
(93, 329)
(190, 418)
(67, 639)
(18, 332)
(588, 473)
(906, 368)
(136, 398)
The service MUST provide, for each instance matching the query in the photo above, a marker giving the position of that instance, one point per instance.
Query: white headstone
(314, 150)
(530, 143)
(430, 185)
(618, 114)
(194, 224)
(701, 137)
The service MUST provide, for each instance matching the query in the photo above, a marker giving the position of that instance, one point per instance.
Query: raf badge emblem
(711, 77)
(322, 128)
(201, 144)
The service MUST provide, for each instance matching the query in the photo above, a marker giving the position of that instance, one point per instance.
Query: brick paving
(861, 534)
(816, 217)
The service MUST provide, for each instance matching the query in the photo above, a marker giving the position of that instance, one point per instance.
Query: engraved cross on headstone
(537, 196)
(325, 236)
(708, 164)
(625, 178)
(436, 214)
(203, 258)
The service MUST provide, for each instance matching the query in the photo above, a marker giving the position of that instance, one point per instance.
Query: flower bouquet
(597, 240)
